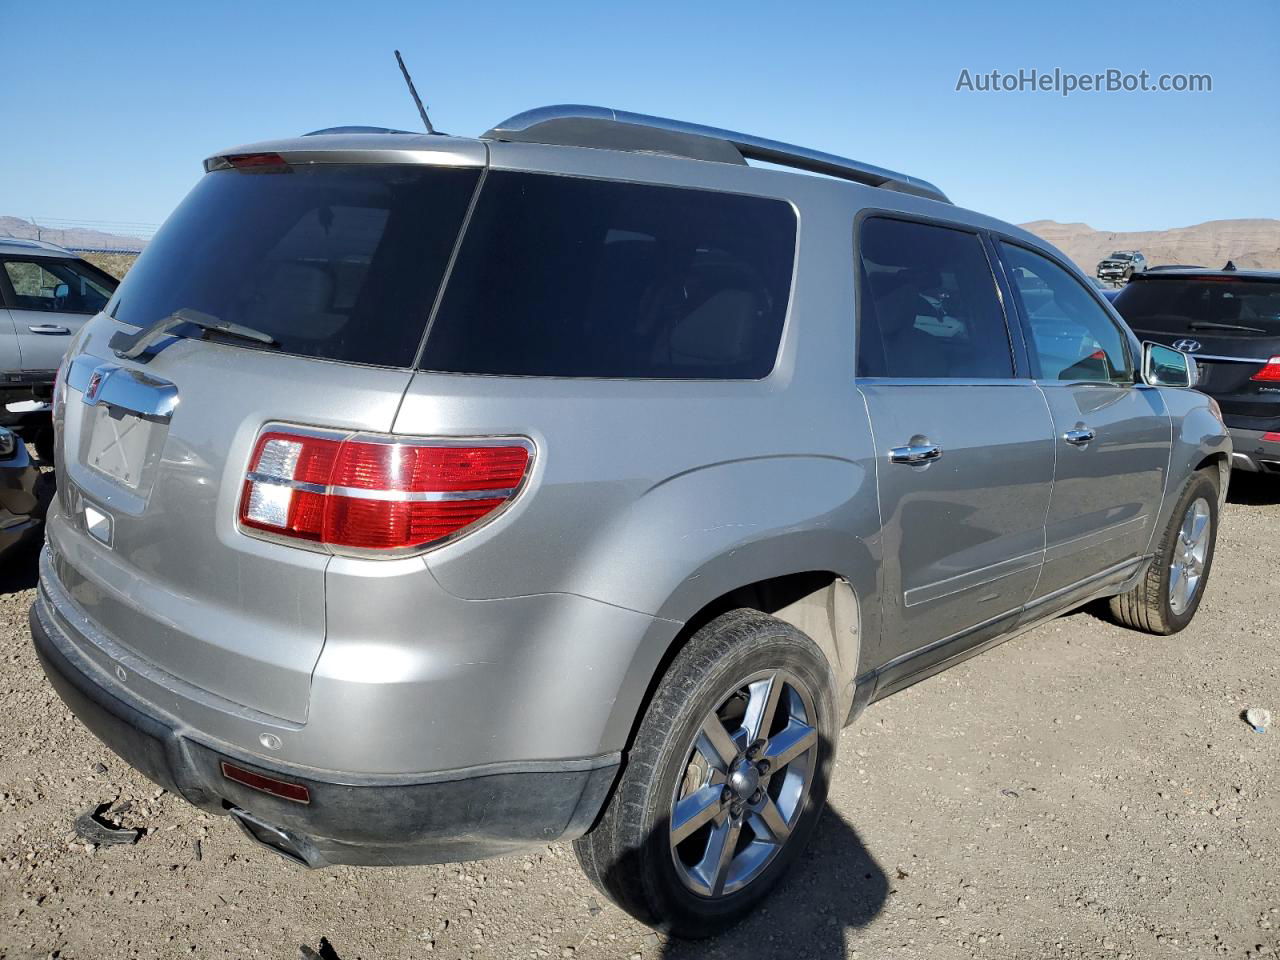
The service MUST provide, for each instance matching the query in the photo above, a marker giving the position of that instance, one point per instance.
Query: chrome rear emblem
(93, 387)
(1186, 346)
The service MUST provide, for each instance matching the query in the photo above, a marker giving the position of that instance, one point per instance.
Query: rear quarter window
(567, 277)
(337, 261)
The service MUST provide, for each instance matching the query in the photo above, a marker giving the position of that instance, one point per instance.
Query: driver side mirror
(1166, 367)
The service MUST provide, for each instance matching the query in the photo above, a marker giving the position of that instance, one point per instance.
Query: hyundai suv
(1229, 320)
(425, 498)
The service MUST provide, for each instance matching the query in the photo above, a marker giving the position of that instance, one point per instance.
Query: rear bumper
(1254, 454)
(352, 819)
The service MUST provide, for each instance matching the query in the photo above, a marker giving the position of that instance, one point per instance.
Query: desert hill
(1250, 243)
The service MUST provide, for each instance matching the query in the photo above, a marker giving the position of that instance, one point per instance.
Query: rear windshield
(567, 277)
(1177, 306)
(335, 261)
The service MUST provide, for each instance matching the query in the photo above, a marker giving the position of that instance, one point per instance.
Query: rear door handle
(47, 328)
(1079, 436)
(915, 453)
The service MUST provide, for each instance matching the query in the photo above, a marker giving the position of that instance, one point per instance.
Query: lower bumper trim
(349, 820)
(1254, 453)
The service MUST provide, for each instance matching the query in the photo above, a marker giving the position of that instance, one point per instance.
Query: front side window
(1072, 336)
(57, 286)
(567, 277)
(928, 304)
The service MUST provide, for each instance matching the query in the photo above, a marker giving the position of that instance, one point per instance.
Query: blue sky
(109, 111)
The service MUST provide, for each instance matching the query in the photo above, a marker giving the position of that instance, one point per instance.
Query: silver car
(46, 295)
(425, 498)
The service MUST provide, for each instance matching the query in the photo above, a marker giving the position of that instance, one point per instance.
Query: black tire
(629, 855)
(43, 443)
(1147, 606)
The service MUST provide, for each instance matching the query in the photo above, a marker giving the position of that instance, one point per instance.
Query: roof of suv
(599, 128)
(11, 246)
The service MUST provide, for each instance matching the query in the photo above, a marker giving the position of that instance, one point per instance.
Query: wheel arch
(1217, 464)
(832, 608)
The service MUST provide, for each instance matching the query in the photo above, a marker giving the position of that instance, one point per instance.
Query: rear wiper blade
(133, 346)
(1210, 325)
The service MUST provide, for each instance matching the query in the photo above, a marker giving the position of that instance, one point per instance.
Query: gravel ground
(1081, 791)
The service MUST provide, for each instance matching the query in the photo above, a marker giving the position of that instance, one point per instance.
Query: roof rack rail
(353, 129)
(588, 126)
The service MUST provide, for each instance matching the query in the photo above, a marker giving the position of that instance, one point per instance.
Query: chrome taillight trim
(399, 496)
(268, 479)
(422, 496)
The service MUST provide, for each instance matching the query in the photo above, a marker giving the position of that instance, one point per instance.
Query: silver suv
(425, 498)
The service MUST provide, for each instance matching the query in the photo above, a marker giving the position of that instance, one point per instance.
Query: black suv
(1229, 320)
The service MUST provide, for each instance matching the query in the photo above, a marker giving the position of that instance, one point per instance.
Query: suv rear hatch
(1230, 323)
(339, 264)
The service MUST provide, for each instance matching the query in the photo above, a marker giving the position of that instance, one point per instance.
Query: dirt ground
(1081, 791)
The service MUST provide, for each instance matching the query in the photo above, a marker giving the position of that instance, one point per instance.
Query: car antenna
(1231, 265)
(414, 93)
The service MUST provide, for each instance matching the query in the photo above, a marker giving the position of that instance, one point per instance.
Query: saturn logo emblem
(93, 387)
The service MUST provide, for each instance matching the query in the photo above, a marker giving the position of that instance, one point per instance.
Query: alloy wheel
(1186, 569)
(747, 776)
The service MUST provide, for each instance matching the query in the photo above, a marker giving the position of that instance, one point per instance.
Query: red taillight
(1271, 437)
(375, 493)
(1270, 373)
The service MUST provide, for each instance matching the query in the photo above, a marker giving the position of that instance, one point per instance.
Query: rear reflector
(364, 493)
(1270, 373)
(296, 792)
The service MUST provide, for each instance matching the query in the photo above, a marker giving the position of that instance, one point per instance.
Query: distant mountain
(1250, 243)
(81, 237)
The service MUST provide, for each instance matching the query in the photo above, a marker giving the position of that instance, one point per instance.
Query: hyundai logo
(1186, 346)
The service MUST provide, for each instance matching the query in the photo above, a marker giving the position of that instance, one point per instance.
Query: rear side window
(57, 286)
(1208, 305)
(566, 277)
(928, 304)
(335, 261)
(1072, 337)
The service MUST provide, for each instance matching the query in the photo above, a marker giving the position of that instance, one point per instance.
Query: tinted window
(1072, 336)
(58, 286)
(335, 261)
(928, 304)
(564, 277)
(1214, 305)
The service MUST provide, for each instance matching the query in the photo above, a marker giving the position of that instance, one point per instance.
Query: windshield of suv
(1172, 306)
(1120, 255)
(338, 261)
